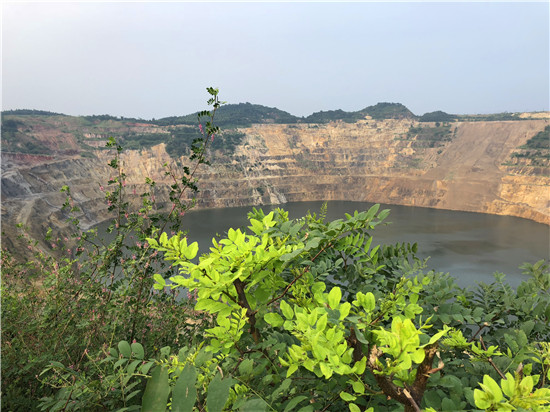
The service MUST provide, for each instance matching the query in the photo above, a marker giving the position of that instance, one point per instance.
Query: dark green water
(469, 246)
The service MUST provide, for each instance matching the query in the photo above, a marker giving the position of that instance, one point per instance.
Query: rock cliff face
(371, 161)
(388, 161)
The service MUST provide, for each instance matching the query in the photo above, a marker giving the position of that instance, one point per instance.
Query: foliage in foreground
(309, 316)
(313, 308)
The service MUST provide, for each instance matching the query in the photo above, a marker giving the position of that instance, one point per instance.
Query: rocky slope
(458, 166)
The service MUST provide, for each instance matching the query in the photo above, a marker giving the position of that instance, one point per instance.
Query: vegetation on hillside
(379, 111)
(332, 116)
(534, 156)
(494, 117)
(15, 138)
(284, 315)
(423, 136)
(539, 141)
(237, 115)
(388, 111)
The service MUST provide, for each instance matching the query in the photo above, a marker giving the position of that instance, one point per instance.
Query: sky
(152, 60)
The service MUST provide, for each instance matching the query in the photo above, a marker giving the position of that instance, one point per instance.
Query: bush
(63, 308)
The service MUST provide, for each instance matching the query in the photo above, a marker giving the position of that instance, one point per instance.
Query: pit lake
(469, 246)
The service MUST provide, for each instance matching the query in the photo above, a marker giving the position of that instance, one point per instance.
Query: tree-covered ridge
(437, 116)
(30, 112)
(388, 111)
(246, 114)
(333, 115)
(237, 115)
(379, 111)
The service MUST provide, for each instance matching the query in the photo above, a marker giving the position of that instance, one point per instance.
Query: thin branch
(490, 360)
(411, 400)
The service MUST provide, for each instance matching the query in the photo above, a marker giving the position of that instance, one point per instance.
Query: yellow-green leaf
(334, 297)
(274, 319)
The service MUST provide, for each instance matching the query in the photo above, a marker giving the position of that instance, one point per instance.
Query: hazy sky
(152, 60)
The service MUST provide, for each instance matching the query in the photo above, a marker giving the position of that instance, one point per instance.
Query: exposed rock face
(367, 161)
(371, 160)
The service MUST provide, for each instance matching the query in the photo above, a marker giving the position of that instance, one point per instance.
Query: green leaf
(132, 367)
(291, 369)
(492, 388)
(287, 310)
(145, 367)
(312, 243)
(358, 387)
(527, 326)
(137, 350)
(348, 397)
(218, 392)
(322, 323)
(438, 335)
(353, 408)
(191, 250)
(120, 362)
(481, 399)
(184, 394)
(157, 390)
(125, 349)
(160, 282)
(294, 402)
(246, 366)
(254, 405)
(325, 370)
(508, 385)
(369, 302)
(274, 319)
(334, 297)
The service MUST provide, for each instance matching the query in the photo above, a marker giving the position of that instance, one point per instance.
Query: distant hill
(388, 111)
(378, 111)
(437, 116)
(246, 114)
(236, 115)
(333, 115)
(30, 112)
